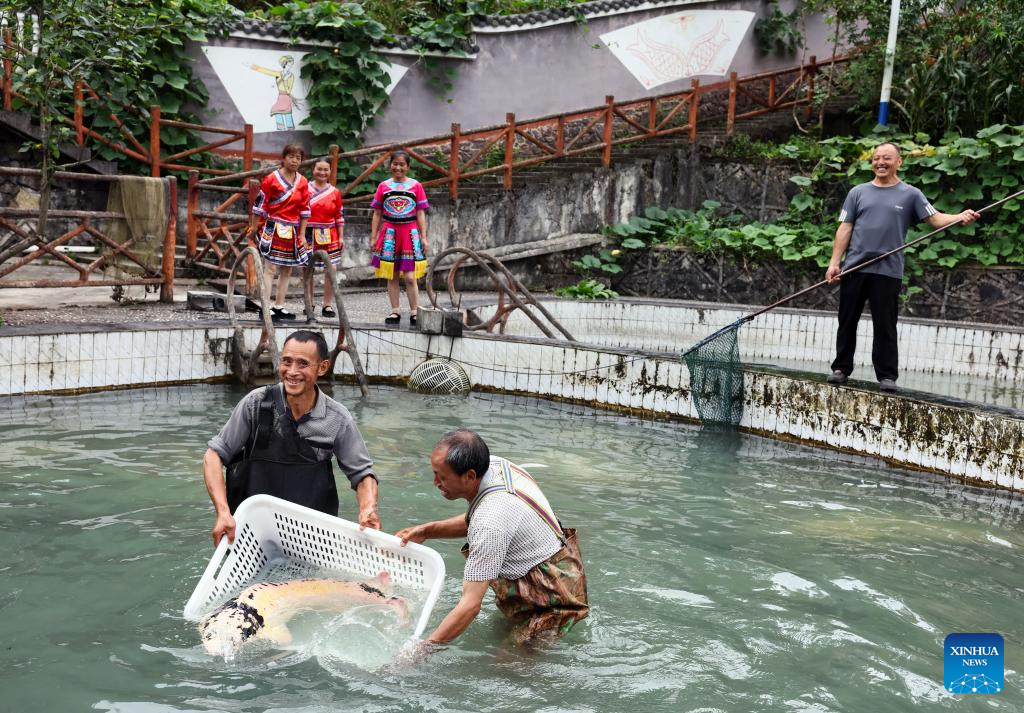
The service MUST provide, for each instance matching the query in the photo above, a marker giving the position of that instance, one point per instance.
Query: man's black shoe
(888, 385)
(837, 377)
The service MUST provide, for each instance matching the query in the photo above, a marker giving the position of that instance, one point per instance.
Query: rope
(539, 372)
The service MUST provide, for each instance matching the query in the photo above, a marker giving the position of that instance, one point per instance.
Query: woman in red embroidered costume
(282, 206)
(325, 229)
(399, 226)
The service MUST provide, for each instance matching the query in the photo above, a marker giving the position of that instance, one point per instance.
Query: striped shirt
(507, 537)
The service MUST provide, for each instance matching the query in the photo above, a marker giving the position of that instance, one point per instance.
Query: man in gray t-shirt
(874, 220)
(280, 440)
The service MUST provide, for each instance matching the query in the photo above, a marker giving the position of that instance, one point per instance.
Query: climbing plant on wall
(348, 77)
(778, 30)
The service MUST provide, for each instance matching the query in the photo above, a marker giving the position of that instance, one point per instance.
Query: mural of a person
(284, 78)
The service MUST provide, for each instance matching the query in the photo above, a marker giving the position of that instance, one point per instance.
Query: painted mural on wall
(266, 86)
(679, 45)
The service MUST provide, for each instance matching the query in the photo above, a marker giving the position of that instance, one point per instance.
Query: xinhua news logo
(974, 663)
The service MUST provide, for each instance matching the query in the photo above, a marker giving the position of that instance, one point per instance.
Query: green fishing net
(716, 379)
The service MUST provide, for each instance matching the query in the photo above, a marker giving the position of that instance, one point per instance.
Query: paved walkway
(95, 305)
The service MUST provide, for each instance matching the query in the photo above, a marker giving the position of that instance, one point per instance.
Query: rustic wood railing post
(332, 157)
(79, 112)
(560, 136)
(8, 69)
(606, 139)
(250, 265)
(453, 163)
(247, 148)
(771, 91)
(811, 73)
(694, 98)
(730, 121)
(154, 141)
(510, 141)
(170, 238)
(191, 206)
(652, 116)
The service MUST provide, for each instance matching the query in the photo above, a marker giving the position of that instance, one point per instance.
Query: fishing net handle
(875, 259)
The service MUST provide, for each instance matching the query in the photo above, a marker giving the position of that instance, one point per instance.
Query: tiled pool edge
(926, 345)
(977, 446)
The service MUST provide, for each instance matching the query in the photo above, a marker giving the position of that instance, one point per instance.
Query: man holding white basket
(516, 545)
(280, 440)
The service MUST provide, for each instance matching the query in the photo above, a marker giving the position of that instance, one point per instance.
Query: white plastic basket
(271, 533)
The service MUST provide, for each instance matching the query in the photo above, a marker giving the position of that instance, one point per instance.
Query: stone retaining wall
(969, 294)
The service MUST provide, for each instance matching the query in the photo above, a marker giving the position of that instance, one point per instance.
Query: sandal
(412, 320)
(280, 313)
(393, 318)
(328, 312)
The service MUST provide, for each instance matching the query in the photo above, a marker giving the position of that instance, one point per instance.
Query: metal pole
(890, 59)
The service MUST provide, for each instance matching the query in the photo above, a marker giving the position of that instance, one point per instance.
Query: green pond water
(726, 573)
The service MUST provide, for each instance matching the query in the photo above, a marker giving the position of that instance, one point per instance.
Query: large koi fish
(263, 610)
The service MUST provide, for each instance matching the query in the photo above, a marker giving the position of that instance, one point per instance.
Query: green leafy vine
(778, 30)
(348, 78)
(131, 52)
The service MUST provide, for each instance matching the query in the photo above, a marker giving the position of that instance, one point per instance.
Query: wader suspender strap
(508, 486)
(293, 443)
(264, 422)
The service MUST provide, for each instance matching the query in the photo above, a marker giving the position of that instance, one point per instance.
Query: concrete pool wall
(784, 335)
(977, 444)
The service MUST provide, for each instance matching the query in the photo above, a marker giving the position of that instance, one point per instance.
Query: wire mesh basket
(274, 534)
(439, 376)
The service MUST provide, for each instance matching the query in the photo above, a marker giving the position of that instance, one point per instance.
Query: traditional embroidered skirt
(548, 600)
(279, 244)
(325, 239)
(399, 249)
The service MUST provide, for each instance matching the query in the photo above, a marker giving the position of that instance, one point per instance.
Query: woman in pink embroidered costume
(399, 226)
(325, 229)
(282, 206)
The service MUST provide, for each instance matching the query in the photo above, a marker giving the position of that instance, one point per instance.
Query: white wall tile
(18, 378)
(17, 354)
(32, 381)
(31, 344)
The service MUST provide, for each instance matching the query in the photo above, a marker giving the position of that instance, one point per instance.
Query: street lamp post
(890, 60)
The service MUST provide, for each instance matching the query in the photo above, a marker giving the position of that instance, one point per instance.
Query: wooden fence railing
(216, 237)
(149, 152)
(21, 246)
